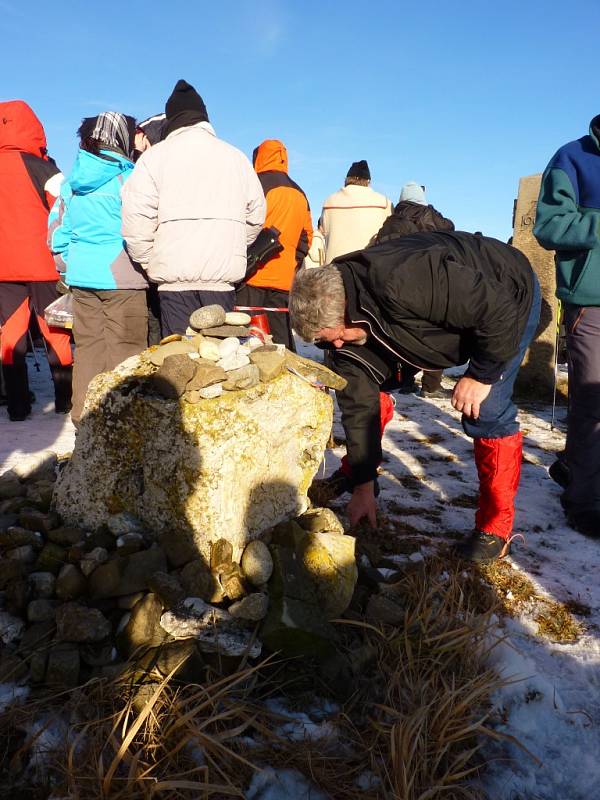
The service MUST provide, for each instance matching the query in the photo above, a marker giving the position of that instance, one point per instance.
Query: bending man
(433, 300)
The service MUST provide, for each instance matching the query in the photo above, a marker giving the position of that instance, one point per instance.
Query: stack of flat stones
(219, 353)
(77, 604)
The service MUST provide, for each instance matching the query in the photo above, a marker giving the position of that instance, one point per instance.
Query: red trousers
(18, 301)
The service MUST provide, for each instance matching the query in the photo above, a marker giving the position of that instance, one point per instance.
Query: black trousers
(279, 321)
(176, 307)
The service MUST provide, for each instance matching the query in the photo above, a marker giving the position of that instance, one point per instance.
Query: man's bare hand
(362, 504)
(468, 395)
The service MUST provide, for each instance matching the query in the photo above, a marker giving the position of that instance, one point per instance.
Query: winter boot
(499, 468)
(63, 389)
(483, 547)
(18, 398)
(559, 471)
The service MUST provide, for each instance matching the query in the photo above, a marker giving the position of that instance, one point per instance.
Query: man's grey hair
(317, 301)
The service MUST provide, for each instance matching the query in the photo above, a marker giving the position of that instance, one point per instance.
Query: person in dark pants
(568, 221)
(190, 210)
(109, 291)
(289, 212)
(433, 300)
(28, 275)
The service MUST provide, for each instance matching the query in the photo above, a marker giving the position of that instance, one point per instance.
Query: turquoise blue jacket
(85, 225)
(568, 218)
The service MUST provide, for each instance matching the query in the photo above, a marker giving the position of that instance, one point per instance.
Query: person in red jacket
(289, 212)
(29, 184)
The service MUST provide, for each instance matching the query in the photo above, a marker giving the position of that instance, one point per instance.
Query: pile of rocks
(77, 603)
(219, 352)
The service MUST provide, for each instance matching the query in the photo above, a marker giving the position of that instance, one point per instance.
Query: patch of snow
(312, 724)
(282, 784)
(44, 429)
(11, 693)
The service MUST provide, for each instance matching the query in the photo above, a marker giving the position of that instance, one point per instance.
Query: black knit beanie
(184, 98)
(359, 169)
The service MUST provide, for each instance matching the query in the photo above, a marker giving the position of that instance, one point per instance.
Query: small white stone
(194, 356)
(237, 318)
(210, 392)
(232, 362)
(254, 342)
(229, 346)
(209, 350)
(244, 350)
(190, 331)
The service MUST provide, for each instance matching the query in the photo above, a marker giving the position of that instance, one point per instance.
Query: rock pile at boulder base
(77, 603)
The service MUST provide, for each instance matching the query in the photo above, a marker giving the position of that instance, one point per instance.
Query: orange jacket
(288, 211)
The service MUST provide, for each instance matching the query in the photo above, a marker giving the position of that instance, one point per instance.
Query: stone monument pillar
(536, 377)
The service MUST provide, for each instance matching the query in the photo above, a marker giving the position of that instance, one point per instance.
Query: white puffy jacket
(190, 209)
(351, 217)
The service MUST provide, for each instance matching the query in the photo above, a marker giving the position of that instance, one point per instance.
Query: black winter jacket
(432, 300)
(409, 218)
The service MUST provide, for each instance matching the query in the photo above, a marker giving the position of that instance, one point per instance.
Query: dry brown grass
(516, 594)
(415, 721)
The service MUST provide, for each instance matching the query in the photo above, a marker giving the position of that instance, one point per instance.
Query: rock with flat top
(207, 373)
(228, 467)
(172, 378)
(176, 348)
(245, 377)
(215, 630)
(320, 520)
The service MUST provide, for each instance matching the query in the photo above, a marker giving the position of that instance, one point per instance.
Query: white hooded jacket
(190, 209)
(351, 217)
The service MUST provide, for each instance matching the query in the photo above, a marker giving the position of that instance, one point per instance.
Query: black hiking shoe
(586, 522)
(559, 472)
(483, 547)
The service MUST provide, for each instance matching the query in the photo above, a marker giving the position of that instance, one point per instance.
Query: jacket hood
(270, 156)
(595, 130)
(91, 172)
(20, 129)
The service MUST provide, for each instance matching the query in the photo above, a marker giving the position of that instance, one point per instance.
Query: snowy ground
(553, 708)
(44, 430)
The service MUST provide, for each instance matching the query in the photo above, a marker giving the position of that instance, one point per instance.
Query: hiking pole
(556, 343)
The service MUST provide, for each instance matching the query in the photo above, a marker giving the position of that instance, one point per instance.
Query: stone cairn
(211, 359)
(77, 603)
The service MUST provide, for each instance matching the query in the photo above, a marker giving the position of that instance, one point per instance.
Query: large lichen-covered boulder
(227, 467)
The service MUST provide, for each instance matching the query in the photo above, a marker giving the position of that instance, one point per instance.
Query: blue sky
(464, 97)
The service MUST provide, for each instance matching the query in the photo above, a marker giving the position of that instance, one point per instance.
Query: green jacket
(568, 217)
